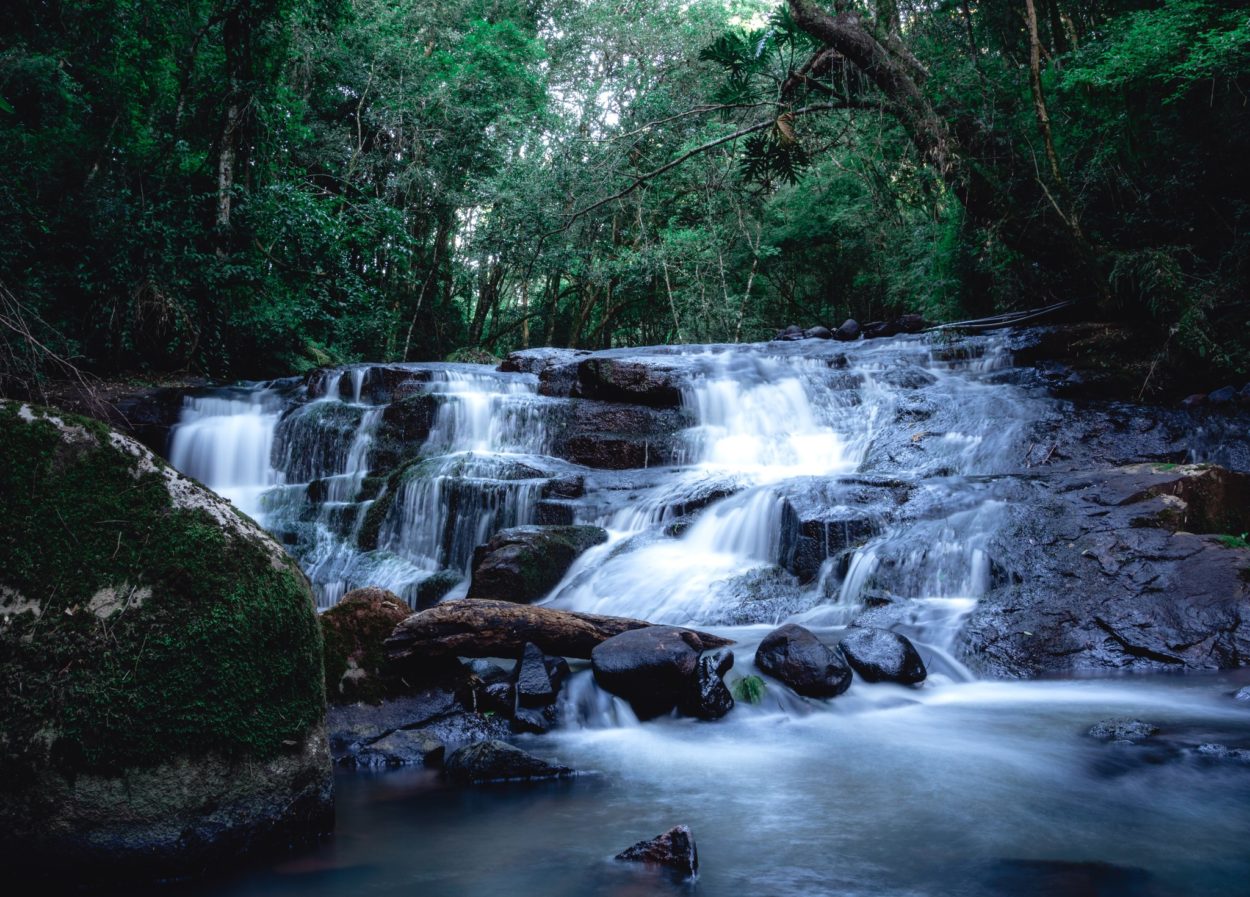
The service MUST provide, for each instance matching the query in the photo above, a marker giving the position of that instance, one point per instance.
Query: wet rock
(498, 697)
(789, 333)
(1121, 729)
(675, 850)
(610, 436)
(1243, 694)
(535, 361)
(848, 331)
(435, 587)
(352, 635)
(533, 685)
(906, 378)
(162, 693)
(879, 329)
(639, 380)
(823, 519)
(533, 720)
(404, 747)
(524, 563)
(1224, 396)
(404, 427)
(474, 628)
(1193, 401)
(911, 323)
(709, 698)
(352, 727)
(1210, 751)
(1167, 597)
(817, 333)
(879, 655)
(652, 668)
(497, 761)
(796, 657)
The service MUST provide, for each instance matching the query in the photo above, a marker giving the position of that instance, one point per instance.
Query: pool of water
(973, 788)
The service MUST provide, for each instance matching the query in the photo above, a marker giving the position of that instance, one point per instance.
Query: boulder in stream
(848, 332)
(708, 697)
(879, 655)
(498, 761)
(652, 668)
(524, 563)
(1121, 730)
(162, 694)
(675, 850)
(796, 657)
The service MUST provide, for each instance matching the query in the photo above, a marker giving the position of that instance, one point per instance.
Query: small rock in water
(533, 685)
(1223, 396)
(879, 655)
(403, 748)
(1243, 694)
(497, 761)
(879, 329)
(709, 698)
(1118, 729)
(1223, 752)
(848, 331)
(793, 332)
(795, 656)
(817, 332)
(675, 849)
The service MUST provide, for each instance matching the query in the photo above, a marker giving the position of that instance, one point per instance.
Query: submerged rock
(497, 761)
(675, 849)
(879, 655)
(1119, 729)
(404, 747)
(161, 679)
(353, 632)
(796, 657)
(652, 668)
(524, 563)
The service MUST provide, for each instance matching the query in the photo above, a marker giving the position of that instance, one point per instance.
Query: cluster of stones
(1224, 396)
(851, 329)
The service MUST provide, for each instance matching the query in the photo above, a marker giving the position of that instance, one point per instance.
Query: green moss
(222, 653)
(749, 689)
(354, 630)
(1231, 541)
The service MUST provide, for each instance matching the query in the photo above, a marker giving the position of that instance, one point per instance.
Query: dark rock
(709, 698)
(911, 323)
(404, 427)
(497, 761)
(675, 850)
(1244, 396)
(1224, 396)
(1192, 401)
(354, 726)
(565, 487)
(162, 693)
(786, 334)
(524, 563)
(799, 659)
(404, 747)
(610, 436)
(535, 361)
(435, 587)
(550, 512)
(910, 377)
(557, 670)
(498, 697)
(1118, 729)
(652, 668)
(879, 329)
(1167, 598)
(848, 331)
(534, 720)
(352, 635)
(533, 685)
(817, 333)
(639, 380)
(879, 655)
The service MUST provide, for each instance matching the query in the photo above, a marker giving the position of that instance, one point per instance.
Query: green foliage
(749, 689)
(1230, 541)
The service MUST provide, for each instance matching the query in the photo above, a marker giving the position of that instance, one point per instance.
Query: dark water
(953, 789)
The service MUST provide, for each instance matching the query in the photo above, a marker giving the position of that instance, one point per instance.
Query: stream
(807, 482)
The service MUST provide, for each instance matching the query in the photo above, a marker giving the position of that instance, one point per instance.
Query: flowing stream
(799, 493)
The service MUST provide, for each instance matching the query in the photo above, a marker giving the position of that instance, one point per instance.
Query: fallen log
(473, 627)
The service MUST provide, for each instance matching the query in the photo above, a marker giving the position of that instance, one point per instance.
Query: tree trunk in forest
(232, 41)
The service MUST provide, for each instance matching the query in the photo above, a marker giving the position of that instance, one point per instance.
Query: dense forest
(247, 188)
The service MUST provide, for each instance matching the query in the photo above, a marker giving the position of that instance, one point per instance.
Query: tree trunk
(232, 42)
(472, 627)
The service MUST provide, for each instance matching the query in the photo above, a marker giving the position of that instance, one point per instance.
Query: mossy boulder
(162, 697)
(524, 563)
(354, 630)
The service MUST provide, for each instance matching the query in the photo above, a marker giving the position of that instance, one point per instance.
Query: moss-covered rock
(353, 631)
(161, 688)
(524, 563)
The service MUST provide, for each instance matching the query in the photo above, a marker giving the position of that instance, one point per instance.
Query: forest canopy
(249, 188)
